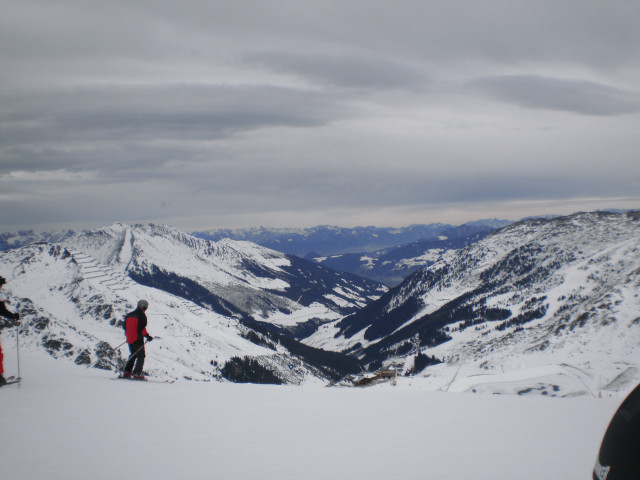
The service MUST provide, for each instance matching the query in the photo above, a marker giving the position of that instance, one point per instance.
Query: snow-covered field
(68, 422)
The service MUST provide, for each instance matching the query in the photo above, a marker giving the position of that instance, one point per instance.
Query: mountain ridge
(228, 276)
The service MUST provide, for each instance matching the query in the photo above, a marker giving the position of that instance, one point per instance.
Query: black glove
(149, 338)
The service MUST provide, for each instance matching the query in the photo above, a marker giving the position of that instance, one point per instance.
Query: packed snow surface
(68, 422)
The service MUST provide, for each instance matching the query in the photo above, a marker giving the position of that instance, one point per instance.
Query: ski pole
(141, 347)
(18, 347)
(136, 352)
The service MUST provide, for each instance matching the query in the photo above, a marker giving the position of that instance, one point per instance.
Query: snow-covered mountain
(232, 278)
(547, 306)
(384, 255)
(217, 307)
(334, 240)
(562, 291)
(391, 266)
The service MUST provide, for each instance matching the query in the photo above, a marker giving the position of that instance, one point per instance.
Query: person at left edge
(135, 328)
(3, 323)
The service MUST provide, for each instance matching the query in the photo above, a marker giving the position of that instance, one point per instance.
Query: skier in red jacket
(11, 316)
(135, 328)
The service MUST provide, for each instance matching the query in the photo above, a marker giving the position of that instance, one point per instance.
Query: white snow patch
(301, 315)
(337, 300)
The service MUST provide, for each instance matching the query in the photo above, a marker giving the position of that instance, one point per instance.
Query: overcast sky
(220, 114)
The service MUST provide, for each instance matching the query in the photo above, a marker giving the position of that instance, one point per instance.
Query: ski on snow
(11, 380)
(150, 380)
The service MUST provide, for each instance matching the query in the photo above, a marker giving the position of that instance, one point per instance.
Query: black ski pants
(136, 359)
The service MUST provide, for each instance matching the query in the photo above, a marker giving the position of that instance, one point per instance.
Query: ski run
(65, 422)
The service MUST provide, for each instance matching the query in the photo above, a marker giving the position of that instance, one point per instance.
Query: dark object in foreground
(619, 456)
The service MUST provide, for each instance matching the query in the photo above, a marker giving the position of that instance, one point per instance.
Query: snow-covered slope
(555, 291)
(72, 298)
(73, 424)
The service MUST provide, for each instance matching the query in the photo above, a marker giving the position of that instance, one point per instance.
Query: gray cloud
(134, 127)
(347, 71)
(571, 95)
(167, 111)
(214, 113)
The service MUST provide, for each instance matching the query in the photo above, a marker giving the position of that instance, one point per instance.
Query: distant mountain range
(386, 255)
(332, 240)
(9, 240)
(392, 265)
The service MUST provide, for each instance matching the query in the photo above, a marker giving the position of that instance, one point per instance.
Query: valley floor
(68, 422)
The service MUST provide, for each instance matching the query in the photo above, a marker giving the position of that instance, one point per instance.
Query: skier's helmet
(143, 304)
(618, 458)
